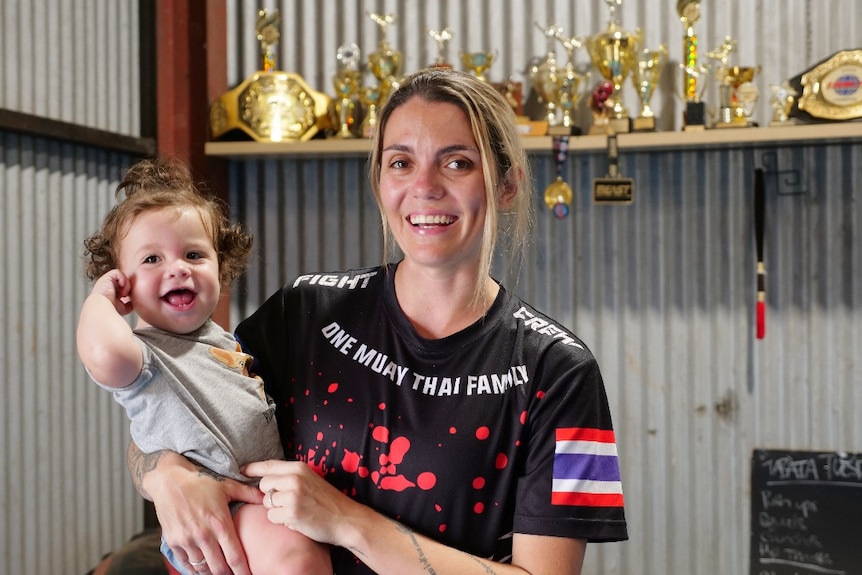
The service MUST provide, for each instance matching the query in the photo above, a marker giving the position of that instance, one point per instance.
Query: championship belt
(831, 90)
(270, 106)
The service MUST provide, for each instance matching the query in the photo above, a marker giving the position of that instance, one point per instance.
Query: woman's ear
(509, 187)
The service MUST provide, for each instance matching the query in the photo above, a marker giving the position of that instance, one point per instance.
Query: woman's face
(432, 188)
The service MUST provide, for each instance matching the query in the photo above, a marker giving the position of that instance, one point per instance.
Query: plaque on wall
(832, 89)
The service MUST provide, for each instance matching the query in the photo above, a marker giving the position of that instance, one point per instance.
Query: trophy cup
(737, 94)
(347, 82)
(370, 98)
(693, 77)
(544, 77)
(613, 54)
(441, 38)
(477, 62)
(270, 105)
(385, 63)
(569, 88)
(646, 75)
(782, 102)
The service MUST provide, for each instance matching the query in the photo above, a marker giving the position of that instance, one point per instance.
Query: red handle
(761, 319)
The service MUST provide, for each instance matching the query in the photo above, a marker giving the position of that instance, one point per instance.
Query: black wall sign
(806, 513)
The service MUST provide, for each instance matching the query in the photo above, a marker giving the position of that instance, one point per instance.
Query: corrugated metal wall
(65, 495)
(662, 290)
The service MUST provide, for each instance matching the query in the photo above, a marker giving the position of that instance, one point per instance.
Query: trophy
(600, 108)
(268, 35)
(544, 76)
(569, 88)
(441, 38)
(370, 98)
(347, 81)
(646, 75)
(385, 63)
(613, 54)
(477, 62)
(782, 102)
(737, 94)
(693, 76)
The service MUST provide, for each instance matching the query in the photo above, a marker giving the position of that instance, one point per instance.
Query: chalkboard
(806, 513)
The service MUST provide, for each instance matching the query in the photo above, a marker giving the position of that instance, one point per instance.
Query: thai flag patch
(586, 468)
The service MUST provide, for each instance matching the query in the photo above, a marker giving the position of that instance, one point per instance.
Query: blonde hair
(504, 162)
(157, 183)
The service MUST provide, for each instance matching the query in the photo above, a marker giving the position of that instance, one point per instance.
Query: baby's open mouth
(179, 297)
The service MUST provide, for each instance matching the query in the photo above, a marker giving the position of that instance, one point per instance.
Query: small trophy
(385, 63)
(268, 35)
(601, 109)
(347, 81)
(544, 76)
(441, 38)
(569, 88)
(782, 101)
(370, 98)
(737, 94)
(478, 62)
(693, 76)
(613, 54)
(646, 75)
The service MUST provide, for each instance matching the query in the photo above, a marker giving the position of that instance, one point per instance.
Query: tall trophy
(646, 75)
(441, 38)
(385, 62)
(693, 76)
(613, 54)
(347, 81)
(570, 85)
(543, 76)
(370, 98)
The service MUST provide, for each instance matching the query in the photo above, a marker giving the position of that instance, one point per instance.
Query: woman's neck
(439, 305)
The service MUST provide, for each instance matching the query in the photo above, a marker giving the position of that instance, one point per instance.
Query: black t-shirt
(502, 427)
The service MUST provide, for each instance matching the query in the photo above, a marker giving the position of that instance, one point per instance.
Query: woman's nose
(428, 184)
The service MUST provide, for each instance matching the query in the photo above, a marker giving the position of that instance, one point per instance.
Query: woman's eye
(460, 164)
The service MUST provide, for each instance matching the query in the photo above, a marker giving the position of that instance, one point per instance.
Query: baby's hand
(116, 287)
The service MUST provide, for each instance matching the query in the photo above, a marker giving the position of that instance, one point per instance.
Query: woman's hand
(192, 506)
(299, 498)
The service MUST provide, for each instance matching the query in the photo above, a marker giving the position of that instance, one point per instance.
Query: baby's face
(173, 269)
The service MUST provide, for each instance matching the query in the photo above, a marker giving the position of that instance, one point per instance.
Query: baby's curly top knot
(155, 175)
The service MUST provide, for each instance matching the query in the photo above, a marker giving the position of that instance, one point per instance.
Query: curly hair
(158, 183)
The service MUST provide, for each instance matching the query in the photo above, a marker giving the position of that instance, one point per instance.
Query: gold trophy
(441, 38)
(650, 64)
(613, 54)
(693, 75)
(478, 62)
(347, 81)
(544, 75)
(569, 90)
(782, 101)
(270, 105)
(385, 62)
(370, 97)
(737, 94)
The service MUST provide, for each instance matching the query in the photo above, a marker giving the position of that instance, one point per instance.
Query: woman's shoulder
(543, 329)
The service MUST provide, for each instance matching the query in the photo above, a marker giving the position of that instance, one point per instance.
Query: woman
(441, 424)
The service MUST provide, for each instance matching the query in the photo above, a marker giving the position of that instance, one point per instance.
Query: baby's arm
(106, 344)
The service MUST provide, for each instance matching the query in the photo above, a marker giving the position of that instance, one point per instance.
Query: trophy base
(787, 122)
(734, 123)
(643, 125)
(564, 131)
(599, 130)
(694, 117)
(619, 125)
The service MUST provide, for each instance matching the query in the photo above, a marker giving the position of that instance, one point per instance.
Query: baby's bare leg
(272, 549)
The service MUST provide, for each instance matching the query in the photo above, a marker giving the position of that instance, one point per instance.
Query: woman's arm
(305, 502)
(192, 506)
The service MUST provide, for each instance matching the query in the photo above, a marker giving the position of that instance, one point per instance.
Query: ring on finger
(269, 495)
(197, 564)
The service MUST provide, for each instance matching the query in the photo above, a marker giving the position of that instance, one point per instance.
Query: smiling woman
(438, 422)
